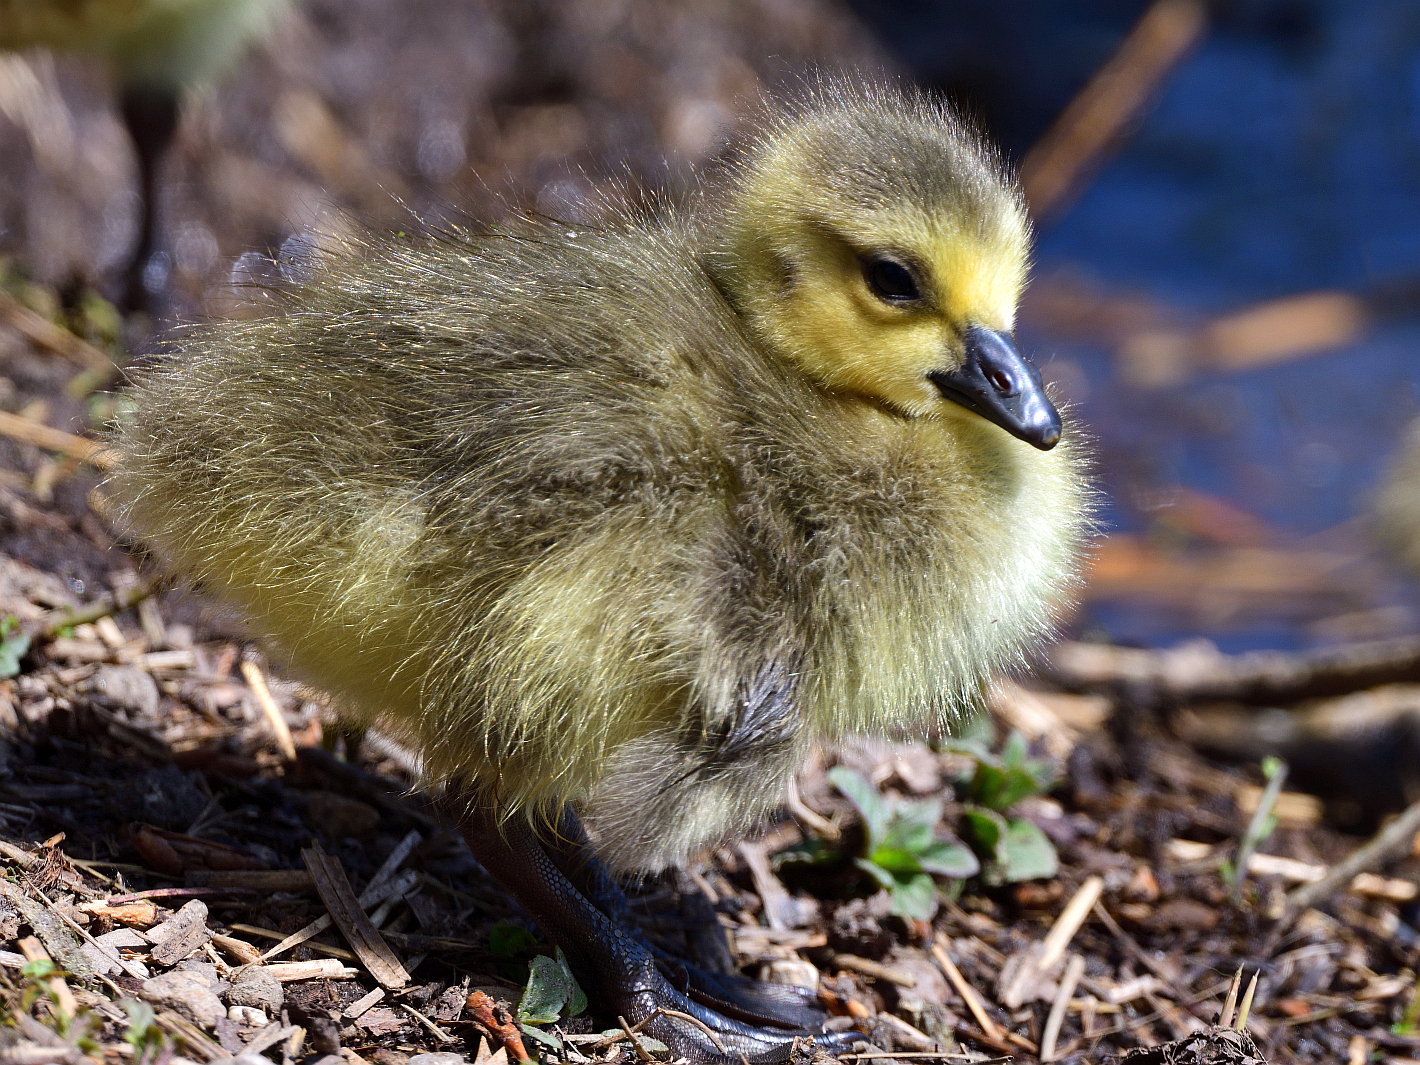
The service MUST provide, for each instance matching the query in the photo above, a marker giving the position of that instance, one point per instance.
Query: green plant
(902, 851)
(13, 645)
(1011, 848)
(506, 940)
(143, 1035)
(551, 991)
(75, 1030)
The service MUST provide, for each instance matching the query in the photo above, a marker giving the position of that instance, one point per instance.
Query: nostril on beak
(1001, 382)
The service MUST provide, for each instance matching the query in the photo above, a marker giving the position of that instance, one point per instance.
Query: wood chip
(328, 968)
(348, 915)
(240, 949)
(182, 934)
(360, 1005)
(285, 942)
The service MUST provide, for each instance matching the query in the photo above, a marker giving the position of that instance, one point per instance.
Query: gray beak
(997, 383)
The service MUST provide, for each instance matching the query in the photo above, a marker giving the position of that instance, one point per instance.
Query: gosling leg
(151, 116)
(617, 970)
(751, 1001)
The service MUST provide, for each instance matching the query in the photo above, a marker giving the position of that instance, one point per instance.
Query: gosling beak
(1002, 387)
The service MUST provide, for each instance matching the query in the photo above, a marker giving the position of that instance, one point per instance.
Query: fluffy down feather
(546, 502)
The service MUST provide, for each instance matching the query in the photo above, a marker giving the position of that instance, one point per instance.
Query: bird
(614, 520)
(158, 51)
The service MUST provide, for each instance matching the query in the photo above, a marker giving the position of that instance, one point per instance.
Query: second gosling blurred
(158, 50)
(616, 522)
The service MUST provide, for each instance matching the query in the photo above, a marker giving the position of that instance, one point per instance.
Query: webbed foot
(716, 1019)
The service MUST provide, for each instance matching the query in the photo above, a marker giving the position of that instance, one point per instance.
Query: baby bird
(616, 522)
(158, 49)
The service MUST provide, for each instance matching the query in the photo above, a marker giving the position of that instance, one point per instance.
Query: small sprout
(507, 940)
(143, 1035)
(552, 991)
(13, 645)
(902, 851)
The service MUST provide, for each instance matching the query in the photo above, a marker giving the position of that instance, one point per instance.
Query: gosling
(158, 49)
(616, 522)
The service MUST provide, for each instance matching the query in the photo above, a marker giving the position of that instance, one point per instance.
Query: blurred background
(1227, 197)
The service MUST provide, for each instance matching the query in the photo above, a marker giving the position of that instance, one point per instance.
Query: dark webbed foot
(749, 1001)
(615, 966)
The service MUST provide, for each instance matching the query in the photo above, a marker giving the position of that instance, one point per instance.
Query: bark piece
(345, 911)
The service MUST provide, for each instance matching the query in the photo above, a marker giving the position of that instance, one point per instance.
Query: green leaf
(651, 1043)
(877, 872)
(12, 649)
(1014, 750)
(915, 897)
(813, 851)
(546, 1038)
(986, 827)
(872, 807)
(948, 859)
(39, 968)
(549, 987)
(506, 940)
(899, 863)
(577, 1000)
(1026, 852)
(140, 1021)
(912, 825)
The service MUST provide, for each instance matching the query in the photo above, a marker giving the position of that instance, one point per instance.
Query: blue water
(1283, 155)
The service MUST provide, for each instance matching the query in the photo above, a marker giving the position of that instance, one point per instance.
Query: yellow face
(875, 311)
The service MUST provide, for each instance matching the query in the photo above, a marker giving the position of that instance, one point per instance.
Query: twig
(41, 331)
(1054, 168)
(349, 916)
(802, 812)
(1129, 943)
(439, 1033)
(968, 993)
(1394, 839)
(1074, 969)
(876, 970)
(109, 953)
(1194, 673)
(1069, 921)
(709, 1032)
(380, 888)
(51, 439)
(641, 1051)
(1254, 834)
(274, 717)
(104, 606)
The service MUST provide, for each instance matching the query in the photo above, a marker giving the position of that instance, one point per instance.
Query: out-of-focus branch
(1081, 137)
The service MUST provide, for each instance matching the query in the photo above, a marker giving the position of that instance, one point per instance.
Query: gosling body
(622, 519)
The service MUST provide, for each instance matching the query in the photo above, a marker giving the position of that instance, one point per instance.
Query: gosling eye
(890, 280)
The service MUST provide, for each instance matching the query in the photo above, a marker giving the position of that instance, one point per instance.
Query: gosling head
(870, 238)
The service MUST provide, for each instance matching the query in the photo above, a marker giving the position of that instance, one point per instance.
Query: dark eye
(890, 281)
